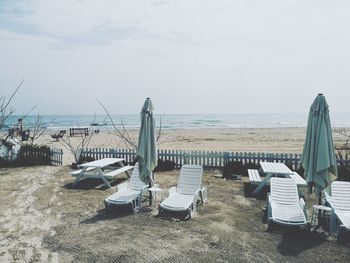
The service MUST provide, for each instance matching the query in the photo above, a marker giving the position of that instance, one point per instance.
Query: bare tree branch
(5, 104)
(38, 129)
(84, 142)
(125, 138)
(159, 131)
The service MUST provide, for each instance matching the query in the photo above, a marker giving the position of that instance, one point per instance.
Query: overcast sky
(227, 56)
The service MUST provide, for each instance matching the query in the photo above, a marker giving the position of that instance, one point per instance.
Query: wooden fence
(56, 156)
(209, 159)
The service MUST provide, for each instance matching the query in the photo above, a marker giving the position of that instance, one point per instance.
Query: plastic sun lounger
(183, 198)
(339, 201)
(284, 205)
(129, 192)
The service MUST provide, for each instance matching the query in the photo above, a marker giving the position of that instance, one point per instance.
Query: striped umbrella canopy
(318, 158)
(147, 150)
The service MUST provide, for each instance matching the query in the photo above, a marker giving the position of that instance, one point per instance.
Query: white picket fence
(209, 159)
(56, 156)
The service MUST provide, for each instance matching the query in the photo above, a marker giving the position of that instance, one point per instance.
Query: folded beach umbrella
(318, 158)
(147, 150)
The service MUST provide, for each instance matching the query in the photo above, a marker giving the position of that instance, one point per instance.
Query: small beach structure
(78, 132)
(103, 169)
(271, 169)
(318, 158)
(146, 148)
(189, 190)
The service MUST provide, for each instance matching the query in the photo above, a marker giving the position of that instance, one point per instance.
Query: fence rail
(56, 156)
(209, 159)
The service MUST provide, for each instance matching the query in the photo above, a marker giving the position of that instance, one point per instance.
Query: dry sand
(276, 140)
(43, 218)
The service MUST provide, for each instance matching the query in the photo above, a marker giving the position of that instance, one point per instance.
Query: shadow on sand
(112, 213)
(249, 188)
(97, 184)
(296, 240)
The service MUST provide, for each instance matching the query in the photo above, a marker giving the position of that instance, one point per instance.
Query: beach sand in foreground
(43, 218)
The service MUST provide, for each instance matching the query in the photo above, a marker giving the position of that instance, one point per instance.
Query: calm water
(185, 121)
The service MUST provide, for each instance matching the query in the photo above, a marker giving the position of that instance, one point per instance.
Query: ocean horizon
(180, 121)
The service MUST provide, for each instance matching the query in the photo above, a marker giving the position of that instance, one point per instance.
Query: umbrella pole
(150, 193)
(319, 210)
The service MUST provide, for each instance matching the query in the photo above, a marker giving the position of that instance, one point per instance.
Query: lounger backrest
(340, 195)
(190, 179)
(135, 183)
(284, 191)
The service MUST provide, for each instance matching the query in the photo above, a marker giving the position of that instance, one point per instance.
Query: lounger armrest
(172, 190)
(268, 207)
(328, 199)
(198, 192)
(303, 206)
(302, 203)
(195, 198)
(204, 194)
(122, 186)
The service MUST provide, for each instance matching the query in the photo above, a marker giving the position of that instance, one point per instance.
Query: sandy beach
(275, 140)
(44, 218)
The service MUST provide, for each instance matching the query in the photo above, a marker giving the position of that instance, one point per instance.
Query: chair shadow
(172, 216)
(249, 188)
(112, 213)
(296, 240)
(90, 183)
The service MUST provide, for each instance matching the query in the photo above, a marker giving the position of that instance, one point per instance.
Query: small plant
(165, 165)
(29, 155)
(85, 159)
(232, 168)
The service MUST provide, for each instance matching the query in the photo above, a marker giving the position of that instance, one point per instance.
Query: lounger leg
(204, 194)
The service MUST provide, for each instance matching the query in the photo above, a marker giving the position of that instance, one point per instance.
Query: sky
(198, 56)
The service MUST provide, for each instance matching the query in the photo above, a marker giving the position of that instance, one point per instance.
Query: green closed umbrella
(147, 150)
(318, 158)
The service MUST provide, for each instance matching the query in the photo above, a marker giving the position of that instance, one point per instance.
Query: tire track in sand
(22, 226)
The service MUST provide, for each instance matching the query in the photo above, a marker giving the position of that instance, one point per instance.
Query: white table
(272, 169)
(96, 168)
(320, 212)
(155, 191)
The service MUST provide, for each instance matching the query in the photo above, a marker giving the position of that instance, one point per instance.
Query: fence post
(226, 158)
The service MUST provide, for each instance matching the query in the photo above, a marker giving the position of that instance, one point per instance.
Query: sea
(178, 121)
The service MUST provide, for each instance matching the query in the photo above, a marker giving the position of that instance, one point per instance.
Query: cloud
(179, 52)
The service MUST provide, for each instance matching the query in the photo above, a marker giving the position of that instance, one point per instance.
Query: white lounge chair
(128, 192)
(183, 198)
(339, 201)
(284, 205)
